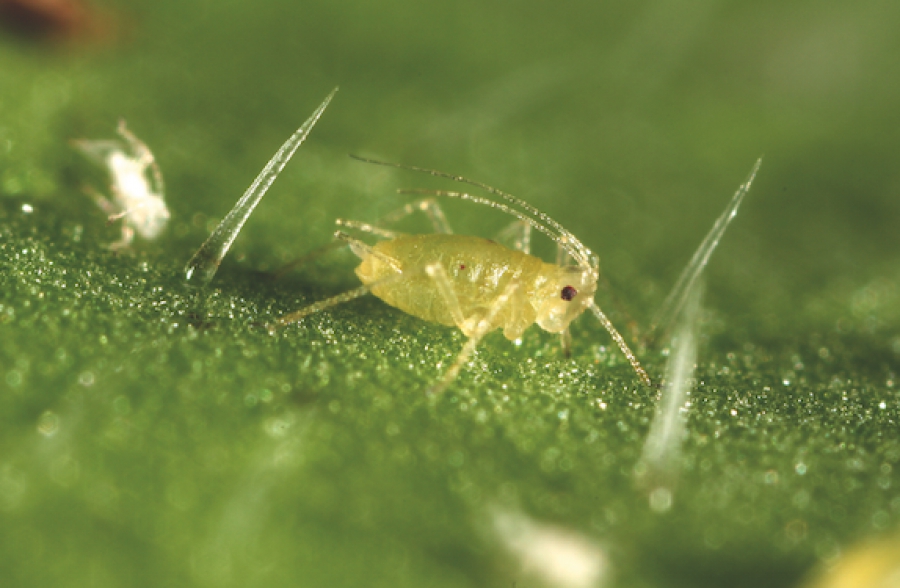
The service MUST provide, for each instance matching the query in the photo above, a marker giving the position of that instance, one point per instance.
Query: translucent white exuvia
(136, 185)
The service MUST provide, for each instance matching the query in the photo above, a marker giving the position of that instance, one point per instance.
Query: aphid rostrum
(136, 185)
(472, 283)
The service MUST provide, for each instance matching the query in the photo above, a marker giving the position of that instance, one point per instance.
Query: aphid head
(563, 297)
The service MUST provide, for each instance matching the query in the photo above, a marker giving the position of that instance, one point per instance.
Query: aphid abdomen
(478, 270)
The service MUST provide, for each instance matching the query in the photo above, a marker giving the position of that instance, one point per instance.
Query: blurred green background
(154, 435)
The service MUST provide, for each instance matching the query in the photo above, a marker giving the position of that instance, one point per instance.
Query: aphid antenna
(203, 265)
(560, 239)
(620, 341)
(565, 236)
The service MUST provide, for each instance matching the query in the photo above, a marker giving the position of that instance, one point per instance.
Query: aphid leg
(438, 274)
(431, 209)
(363, 250)
(626, 351)
(293, 317)
(334, 301)
(366, 228)
(518, 234)
(475, 327)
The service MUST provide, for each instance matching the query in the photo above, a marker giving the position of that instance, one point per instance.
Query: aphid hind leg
(476, 327)
(333, 301)
(295, 316)
(363, 250)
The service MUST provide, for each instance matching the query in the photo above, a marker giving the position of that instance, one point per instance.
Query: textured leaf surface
(154, 434)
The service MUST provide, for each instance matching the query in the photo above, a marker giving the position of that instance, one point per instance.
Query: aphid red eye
(568, 293)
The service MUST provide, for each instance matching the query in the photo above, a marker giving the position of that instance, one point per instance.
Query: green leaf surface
(155, 434)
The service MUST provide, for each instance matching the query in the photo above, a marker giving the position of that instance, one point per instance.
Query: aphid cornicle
(472, 283)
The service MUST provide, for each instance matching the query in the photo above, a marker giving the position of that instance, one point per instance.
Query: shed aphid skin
(475, 284)
(205, 262)
(136, 185)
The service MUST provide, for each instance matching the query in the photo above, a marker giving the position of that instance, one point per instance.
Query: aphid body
(479, 271)
(476, 284)
(135, 183)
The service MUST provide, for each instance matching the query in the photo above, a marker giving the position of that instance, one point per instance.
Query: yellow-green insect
(472, 283)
